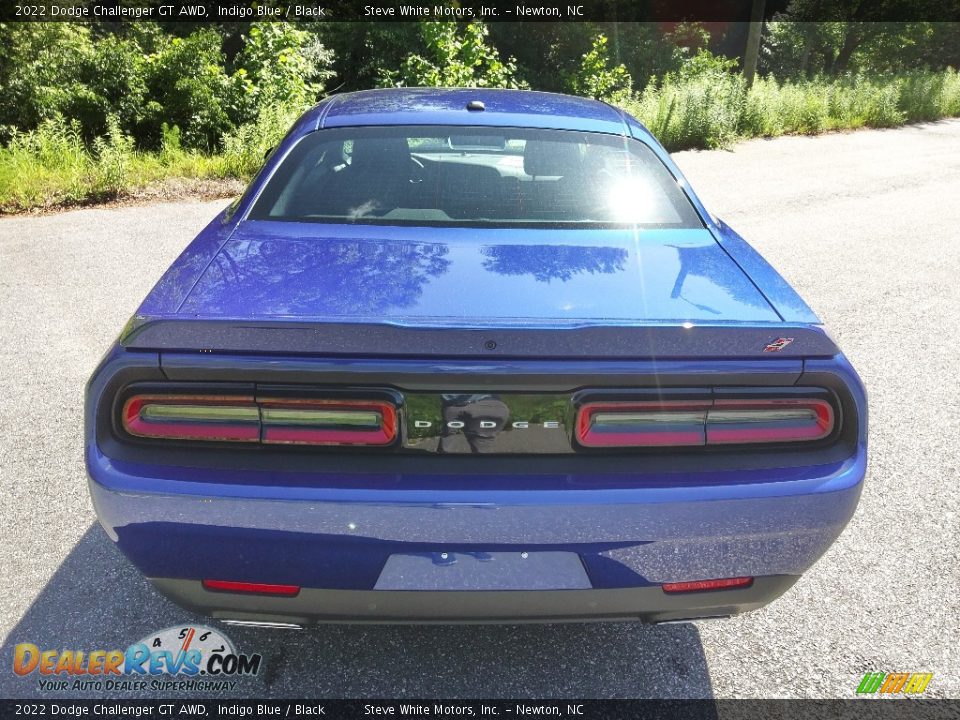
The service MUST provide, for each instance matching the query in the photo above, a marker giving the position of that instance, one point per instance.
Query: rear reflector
(707, 585)
(709, 422)
(251, 588)
(231, 418)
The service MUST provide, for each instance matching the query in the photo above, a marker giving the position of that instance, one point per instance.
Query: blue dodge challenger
(472, 355)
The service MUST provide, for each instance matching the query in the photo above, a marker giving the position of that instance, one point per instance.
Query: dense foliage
(455, 56)
(145, 77)
(90, 111)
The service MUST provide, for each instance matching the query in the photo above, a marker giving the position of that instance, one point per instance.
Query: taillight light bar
(721, 421)
(245, 419)
(192, 417)
(328, 422)
(768, 421)
(648, 424)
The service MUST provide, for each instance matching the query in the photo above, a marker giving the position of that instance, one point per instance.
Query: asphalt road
(864, 225)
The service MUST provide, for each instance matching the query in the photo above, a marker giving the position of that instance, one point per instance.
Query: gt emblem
(778, 345)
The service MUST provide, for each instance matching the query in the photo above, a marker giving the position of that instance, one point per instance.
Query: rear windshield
(473, 176)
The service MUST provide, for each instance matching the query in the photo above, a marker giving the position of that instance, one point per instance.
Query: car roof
(448, 106)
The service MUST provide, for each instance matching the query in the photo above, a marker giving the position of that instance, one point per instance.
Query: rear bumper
(310, 606)
(335, 543)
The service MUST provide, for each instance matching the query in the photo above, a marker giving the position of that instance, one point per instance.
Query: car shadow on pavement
(96, 600)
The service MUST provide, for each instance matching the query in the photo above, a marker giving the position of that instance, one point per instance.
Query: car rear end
(494, 404)
(295, 490)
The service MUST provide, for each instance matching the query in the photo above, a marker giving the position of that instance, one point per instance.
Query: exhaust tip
(684, 621)
(263, 624)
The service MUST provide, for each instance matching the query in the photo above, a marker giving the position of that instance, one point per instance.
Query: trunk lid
(303, 288)
(469, 277)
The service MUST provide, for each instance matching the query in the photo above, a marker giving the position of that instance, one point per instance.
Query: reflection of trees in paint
(319, 276)
(706, 262)
(552, 262)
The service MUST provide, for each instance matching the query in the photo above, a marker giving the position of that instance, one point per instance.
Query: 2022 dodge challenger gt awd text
(472, 355)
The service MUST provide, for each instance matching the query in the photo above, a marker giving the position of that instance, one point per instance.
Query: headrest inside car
(376, 153)
(544, 157)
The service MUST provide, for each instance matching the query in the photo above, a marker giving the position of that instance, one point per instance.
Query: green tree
(36, 84)
(110, 92)
(598, 77)
(837, 36)
(189, 87)
(456, 56)
(280, 65)
(546, 53)
(364, 51)
(705, 64)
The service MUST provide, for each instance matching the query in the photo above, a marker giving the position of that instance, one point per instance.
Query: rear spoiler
(733, 340)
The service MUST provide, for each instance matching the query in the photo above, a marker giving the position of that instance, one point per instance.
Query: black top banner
(212, 11)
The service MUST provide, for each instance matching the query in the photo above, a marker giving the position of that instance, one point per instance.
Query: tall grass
(52, 166)
(245, 148)
(712, 110)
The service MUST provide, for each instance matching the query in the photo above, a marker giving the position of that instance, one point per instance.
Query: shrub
(950, 93)
(114, 154)
(46, 166)
(803, 108)
(52, 166)
(598, 78)
(280, 65)
(712, 108)
(84, 79)
(704, 64)
(930, 95)
(455, 57)
(692, 111)
(189, 87)
(245, 148)
(111, 83)
(36, 84)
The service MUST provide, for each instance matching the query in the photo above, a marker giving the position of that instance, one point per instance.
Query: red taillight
(767, 421)
(328, 422)
(707, 585)
(721, 421)
(231, 418)
(642, 424)
(251, 588)
(193, 417)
